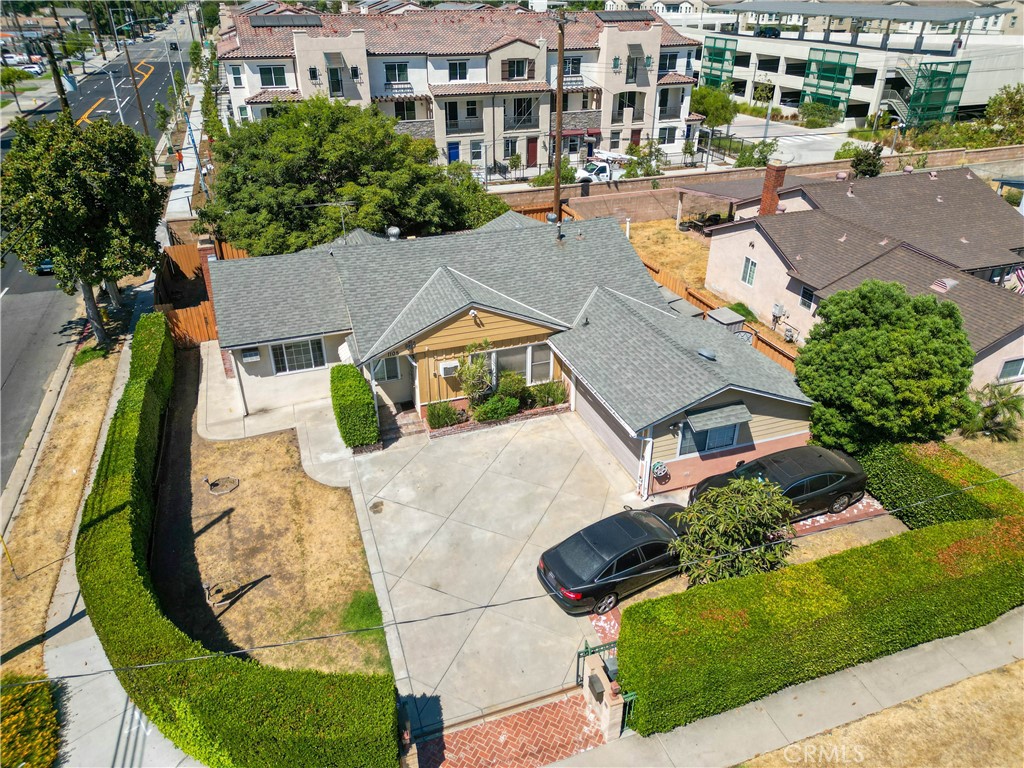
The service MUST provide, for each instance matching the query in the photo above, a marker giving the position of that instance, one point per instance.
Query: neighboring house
(944, 233)
(654, 385)
(479, 83)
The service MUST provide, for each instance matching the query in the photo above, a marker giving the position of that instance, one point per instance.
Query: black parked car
(816, 479)
(772, 32)
(596, 567)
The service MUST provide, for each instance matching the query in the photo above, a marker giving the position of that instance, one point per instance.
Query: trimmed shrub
(440, 415)
(224, 711)
(153, 354)
(496, 407)
(512, 384)
(30, 735)
(922, 483)
(719, 646)
(548, 393)
(353, 406)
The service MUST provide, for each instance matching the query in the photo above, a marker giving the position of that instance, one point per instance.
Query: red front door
(634, 137)
(531, 153)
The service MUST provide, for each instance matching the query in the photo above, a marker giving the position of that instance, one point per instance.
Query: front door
(451, 113)
(531, 153)
(453, 151)
(634, 137)
(590, 148)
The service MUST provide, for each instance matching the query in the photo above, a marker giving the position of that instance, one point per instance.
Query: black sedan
(596, 567)
(816, 479)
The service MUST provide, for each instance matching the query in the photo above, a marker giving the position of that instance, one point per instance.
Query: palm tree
(999, 411)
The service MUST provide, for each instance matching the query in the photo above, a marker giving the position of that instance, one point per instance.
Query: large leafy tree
(739, 529)
(9, 79)
(292, 180)
(715, 104)
(84, 197)
(883, 366)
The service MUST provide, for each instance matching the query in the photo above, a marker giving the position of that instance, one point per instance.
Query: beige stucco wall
(348, 51)
(988, 364)
(262, 390)
(613, 43)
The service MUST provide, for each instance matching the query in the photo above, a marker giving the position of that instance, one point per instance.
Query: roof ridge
(503, 295)
(450, 273)
(420, 290)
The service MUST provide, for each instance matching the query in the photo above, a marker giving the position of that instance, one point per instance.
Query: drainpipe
(644, 488)
(373, 388)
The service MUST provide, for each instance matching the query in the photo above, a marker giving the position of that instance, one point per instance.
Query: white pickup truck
(598, 170)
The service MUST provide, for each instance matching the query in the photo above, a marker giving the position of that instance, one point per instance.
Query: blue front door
(453, 151)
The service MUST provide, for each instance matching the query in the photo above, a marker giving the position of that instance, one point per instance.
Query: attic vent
(393, 233)
(944, 284)
(908, 169)
(707, 354)
(933, 175)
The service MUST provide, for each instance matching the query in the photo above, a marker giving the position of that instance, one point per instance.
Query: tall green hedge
(721, 645)
(226, 711)
(923, 483)
(353, 406)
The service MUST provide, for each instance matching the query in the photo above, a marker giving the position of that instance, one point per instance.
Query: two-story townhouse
(480, 83)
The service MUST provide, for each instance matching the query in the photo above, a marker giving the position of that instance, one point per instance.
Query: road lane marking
(85, 118)
(145, 75)
(5, 290)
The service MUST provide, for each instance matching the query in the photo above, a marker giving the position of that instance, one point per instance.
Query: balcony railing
(466, 125)
(521, 122)
(670, 113)
(618, 116)
(398, 89)
(897, 102)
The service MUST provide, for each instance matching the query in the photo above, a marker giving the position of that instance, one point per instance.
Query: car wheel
(840, 504)
(606, 604)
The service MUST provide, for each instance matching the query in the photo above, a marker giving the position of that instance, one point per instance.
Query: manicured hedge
(30, 734)
(226, 711)
(718, 646)
(902, 476)
(496, 407)
(353, 406)
(441, 415)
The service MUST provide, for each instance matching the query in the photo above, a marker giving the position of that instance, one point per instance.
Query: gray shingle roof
(277, 297)
(989, 312)
(643, 360)
(736, 190)
(509, 220)
(551, 278)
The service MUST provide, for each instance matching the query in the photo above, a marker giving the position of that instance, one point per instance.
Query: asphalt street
(796, 144)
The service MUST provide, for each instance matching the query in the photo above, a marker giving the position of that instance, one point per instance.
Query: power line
(448, 614)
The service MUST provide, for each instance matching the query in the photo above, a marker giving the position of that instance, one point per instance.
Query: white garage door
(623, 447)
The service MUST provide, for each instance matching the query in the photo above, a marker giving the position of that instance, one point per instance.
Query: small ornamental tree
(475, 372)
(715, 104)
(734, 531)
(9, 79)
(867, 161)
(645, 159)
(884, 366)
(756, 155)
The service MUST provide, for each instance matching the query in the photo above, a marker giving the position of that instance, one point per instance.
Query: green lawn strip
(89, 354)
(719, 646)
(225, 711)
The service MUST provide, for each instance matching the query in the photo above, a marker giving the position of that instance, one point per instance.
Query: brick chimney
(774, 176)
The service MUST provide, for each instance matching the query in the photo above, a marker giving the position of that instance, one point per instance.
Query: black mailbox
(597, 688)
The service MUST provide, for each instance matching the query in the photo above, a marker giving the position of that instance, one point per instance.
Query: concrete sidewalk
(100, 725)
(804, 710)
(179, 204)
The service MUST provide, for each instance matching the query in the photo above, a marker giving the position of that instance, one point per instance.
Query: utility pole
(55, 73)
(188, 14)
(135, 84)
(560, 20)
(113, 27)
(96, 29)
(60, 34)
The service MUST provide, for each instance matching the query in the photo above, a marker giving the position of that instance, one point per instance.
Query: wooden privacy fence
(190, 326)
(762, 344)
(226, 250)
(184, 258)
(540, 212)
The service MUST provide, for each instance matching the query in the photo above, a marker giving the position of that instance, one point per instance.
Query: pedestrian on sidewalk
(181, 160)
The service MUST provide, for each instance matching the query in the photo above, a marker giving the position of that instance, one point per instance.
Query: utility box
(727, 317)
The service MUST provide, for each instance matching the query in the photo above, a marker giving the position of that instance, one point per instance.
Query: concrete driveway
(459, 524)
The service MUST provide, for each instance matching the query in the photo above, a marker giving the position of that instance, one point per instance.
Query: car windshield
(580, 557)
(590, 167)
(755, 470)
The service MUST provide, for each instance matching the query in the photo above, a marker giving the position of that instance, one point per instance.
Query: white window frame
(530, 381)
(382, 364)
(236, 76)
(461, 68)
(243, 114)
(394, 67)
(272, 68)
(571, 65)
(513, 144)
(672, 57)
(732, 444)
(308, 342)
(1020, 369)
(806, 297)
(615, 140)
(405, 110)
(667, 135)
(749, 271)
(514, 66)
(476, 150)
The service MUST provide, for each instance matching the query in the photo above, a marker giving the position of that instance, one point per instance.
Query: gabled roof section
(509, 220)
(271, 298)
(445, 294)
(644, 361)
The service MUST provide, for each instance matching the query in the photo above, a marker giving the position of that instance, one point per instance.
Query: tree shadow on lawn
(175, 569)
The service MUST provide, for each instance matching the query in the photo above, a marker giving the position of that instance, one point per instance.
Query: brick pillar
(774, 176)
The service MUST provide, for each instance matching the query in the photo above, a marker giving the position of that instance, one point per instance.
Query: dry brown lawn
(976, 723)
(683, 254)
(284, 550)
(38, 540)
(1001, 458)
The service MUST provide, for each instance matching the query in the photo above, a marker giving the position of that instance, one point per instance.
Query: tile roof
(675, 78)
(989, 312)
(435, 33)
(695, 117)
(271, 298)
(642, 360)
(458, 89)
(270, 95)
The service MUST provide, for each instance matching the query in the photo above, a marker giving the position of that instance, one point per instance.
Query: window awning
(719, 417)
(636, 50)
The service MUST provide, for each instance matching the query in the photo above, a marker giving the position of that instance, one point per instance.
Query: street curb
(25, 466)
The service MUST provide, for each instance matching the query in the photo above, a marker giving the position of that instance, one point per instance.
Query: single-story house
(671, 395)
(794, 252)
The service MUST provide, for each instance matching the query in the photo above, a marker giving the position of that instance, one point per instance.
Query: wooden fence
(185, 258)
(540, 212)
(226, 250)
(761, 343)
(190, 326)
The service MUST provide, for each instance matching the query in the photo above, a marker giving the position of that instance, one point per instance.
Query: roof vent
(707, 354)
(933, 175)
(908, 169)
(780, 208)
(393, 233)
(969, 175)
(964, 240)
(938, 198)
(884, 241)
(944, 284)
(849, 192)
(841, 176)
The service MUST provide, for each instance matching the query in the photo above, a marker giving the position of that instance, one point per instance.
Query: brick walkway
(864, 509)
(527, 739)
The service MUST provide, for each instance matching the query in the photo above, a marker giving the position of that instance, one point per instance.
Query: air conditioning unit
(778, 310)
(448, 368)
(251, 355)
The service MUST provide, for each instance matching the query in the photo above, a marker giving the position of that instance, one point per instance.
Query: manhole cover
(221, 485)
(377, 507)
